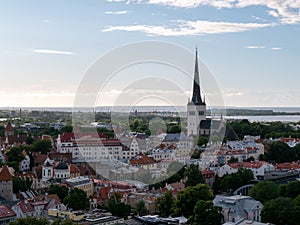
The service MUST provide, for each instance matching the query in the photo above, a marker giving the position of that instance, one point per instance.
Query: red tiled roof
(287, 166)
(25, 175)
(252, 165)
(40, 158)
(141, 159)
(74, 169)
(26, 207)
(6, 211)
(114, 184)
(102, 195)
(178, 186)
(5, 174)
(69, 137)
(39, 171)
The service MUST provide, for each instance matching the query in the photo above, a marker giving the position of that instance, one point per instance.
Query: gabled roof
(40, 158)
(6, 211)
(5, 174)
(26, 207)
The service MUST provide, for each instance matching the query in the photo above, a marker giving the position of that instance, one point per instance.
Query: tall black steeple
(196, 99)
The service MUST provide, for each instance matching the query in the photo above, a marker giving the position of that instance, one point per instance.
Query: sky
(251, 47)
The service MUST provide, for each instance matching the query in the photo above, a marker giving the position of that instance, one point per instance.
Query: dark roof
(211, 124)
(20, 138)
(61, 166)
(175, 137)
(230, 134)
(56, 156)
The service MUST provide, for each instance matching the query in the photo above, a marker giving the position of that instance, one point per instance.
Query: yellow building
(82, 183)
(73, 215)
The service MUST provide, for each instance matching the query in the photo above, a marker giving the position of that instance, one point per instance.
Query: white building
(90, 147)
(258, 168)
(25, 163)
(237, 207)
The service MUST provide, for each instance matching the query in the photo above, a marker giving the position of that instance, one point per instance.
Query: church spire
(196, 99)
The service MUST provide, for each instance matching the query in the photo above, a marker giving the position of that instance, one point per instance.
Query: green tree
(62, 222)
(15, 153)
(187, 199)
(21, 185)
(280, 211)
(193, 176)
(202, 141)
(42, 146)
(231, 182)
(264, 191)
(77, 199)
(297, 201)
(30, 221)
(140, 208)
(164, 204)
(117, 207)
(205, 213)
(233, 160)
(61, 191)
(293, 189)
(66, 129)
(280, 152)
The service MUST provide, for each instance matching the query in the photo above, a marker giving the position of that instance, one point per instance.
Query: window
(192, 113)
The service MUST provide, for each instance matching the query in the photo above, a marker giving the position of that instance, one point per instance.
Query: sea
(170, 109)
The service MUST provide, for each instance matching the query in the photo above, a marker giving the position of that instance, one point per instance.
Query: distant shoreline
(230, 111)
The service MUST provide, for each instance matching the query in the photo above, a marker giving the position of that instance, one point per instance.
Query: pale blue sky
(251, 46)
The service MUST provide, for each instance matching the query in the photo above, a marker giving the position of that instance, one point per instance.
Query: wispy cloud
(255, 46)
(49, 94)
(276, 48)
(184, 28)
(287, 12)
(49, 51)
(259, 18)
(116, 12)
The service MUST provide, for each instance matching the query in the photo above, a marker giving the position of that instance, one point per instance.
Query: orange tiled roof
(5, 174)
(141, 159)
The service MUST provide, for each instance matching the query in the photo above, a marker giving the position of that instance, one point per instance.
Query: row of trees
(265, 130)
(281, 202)
(231, 182)
(195, 203)
(280, 152)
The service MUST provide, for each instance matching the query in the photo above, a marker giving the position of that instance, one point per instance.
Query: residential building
(258, 168)
(82, 183)
(7, 215)
(25, 163)
(238, 207)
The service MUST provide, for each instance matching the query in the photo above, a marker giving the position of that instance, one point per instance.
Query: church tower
(196, 108)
